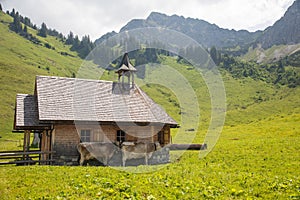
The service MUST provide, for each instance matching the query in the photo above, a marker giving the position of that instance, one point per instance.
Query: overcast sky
(97, 17)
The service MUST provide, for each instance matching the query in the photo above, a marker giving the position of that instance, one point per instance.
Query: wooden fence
(25, 158)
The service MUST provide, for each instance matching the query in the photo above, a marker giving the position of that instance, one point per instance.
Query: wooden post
(152, 134)
(26, 144)
(40, 145)
(43, 140)
(46, 145)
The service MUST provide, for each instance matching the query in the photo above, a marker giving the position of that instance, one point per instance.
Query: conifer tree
(13, 13)
(28, 22)
(85, 47)
(43, 31)
(76, 44)
(1, 7)
(60, 36)
(70, 39)
(16, 25)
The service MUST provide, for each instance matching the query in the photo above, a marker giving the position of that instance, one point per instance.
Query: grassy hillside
(247, 100)
(21, 61)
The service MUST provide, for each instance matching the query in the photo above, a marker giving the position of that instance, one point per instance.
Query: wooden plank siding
(65, 138)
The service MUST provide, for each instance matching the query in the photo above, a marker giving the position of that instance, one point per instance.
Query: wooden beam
(25, 153)
(187, 146)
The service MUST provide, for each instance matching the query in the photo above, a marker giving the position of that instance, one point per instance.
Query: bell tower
(126, 70)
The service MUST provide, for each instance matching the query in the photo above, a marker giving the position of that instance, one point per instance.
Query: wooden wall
(64, 141)
(65, 138)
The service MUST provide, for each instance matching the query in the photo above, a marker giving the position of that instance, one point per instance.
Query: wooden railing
(24, 158)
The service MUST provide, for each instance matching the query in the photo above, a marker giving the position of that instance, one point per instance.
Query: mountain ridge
(285, 30)
(200, 30)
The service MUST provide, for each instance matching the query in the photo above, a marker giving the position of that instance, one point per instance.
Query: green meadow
(256, 156)
(254, 161)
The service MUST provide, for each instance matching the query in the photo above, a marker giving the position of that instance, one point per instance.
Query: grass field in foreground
(256, 161)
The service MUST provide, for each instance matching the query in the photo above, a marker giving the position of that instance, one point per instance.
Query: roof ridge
(64, 78)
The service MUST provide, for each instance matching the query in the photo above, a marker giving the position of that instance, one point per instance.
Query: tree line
(83, 47)
(20, 29)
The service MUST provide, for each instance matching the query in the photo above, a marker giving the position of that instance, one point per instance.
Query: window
(121, 135)
(85, 135)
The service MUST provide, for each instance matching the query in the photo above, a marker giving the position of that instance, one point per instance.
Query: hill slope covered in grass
(248, 100)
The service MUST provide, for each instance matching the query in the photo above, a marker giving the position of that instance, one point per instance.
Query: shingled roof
(26, 113)
(71, 99)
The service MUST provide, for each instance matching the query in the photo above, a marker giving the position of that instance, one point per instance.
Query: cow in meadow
(96, 150)
(132, 150)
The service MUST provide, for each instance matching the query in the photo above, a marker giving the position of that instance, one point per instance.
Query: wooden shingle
(26, 113)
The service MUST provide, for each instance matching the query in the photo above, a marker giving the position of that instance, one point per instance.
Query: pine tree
(76, 44)
(85, 47)
(24, 32)
(13, 13)
(28, 22)
(70, 39)
(43, 31)
(16, 25)
(61, 36)
(1, 7)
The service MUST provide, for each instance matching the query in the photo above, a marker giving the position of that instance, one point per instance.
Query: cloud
(96, 17)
